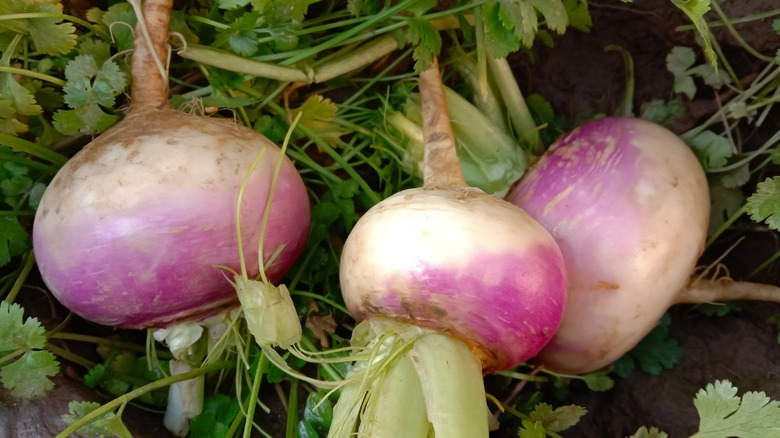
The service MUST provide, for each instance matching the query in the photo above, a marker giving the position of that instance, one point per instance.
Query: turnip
(449, 283)
(628, 203)
(136, 230)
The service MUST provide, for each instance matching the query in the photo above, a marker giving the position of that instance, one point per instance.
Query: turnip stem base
(416, 383)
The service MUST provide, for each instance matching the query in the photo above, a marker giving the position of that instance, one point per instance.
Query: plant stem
(27, 265)
(124, 399)
(763, 265)
(121, 345)
(441, 167)
(726, 225)
(257, 379)
(399, 396)
(627, 106)
(725, 20)
(34, 15)
(149, 87)
(238, 64)
(292, 411)
(452, 385)
(33, 74)
(516, 108)
(33, 149)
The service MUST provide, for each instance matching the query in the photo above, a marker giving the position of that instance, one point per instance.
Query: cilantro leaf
(241, 35)
(678, 62)
(554, 13)
(654, 353)
(120, 20)
(28, 376)
(510, 24)
(531, 429)
(558, 419)
(579, 16)
(108, 424)
(653, 432)
(89, 88)
(99, 49)
(318, 413)
(318, 114)
(214, 421)
(724, 203)
(49, 35)
(16, 332)
(723, 414)
(23, 100)
(14, 239)
(427, 40)
(695, 10)
(711, 149)
(8, 123)
(764, 204)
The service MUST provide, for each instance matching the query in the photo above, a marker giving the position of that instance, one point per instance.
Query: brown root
(441, 167)
(149, 87)
(701, 290)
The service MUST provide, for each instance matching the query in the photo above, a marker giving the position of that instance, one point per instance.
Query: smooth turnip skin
(130, 230)
(627, 202)
(460, 262)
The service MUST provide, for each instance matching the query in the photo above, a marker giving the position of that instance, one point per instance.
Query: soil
(578, 77)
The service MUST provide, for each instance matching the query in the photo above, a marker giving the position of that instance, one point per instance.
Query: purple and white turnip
(449, 282)
(628, 203)
(131, 230)
(139, 228)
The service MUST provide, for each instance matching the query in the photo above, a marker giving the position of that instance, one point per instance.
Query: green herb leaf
(49, 35)
(87, 89)
(579, 16)
(510, 24)
(724, 203)
(598, 381)
(531, 429)
(558, 419)
(554, 13)
(318, 413)
(764, 204)
(120, 20)
(678, 61)
(713, 150)
(653, 432)
(108, 424)
(16, 332)
(8, 123)
(23, 100)
(695, 10)
(655, 352)
(723, 414)
(427, 41)
(214, 421)
(14, 239)
(28, 376)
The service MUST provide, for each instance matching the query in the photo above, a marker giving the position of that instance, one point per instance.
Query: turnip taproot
(628, 203)
(131, 230)
(138, 229)
(449, 282)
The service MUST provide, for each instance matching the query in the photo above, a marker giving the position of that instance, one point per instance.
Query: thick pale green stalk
(451, 379)
(400, 397)
(490, 159)
(521, 118)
